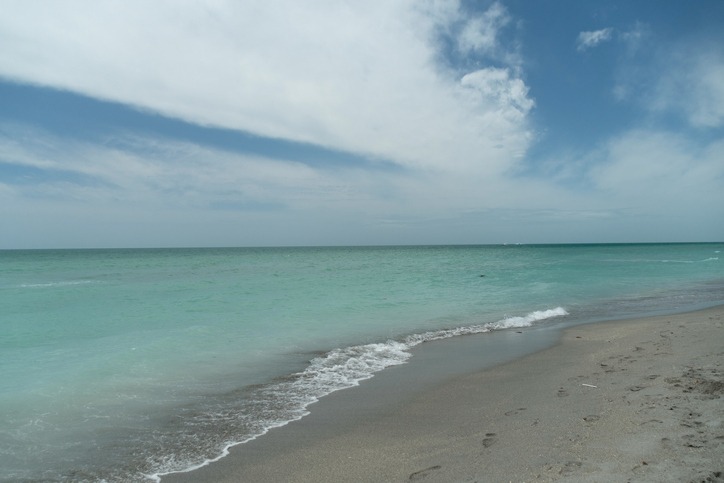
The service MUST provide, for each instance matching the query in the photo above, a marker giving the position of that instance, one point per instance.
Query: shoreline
(636, 399)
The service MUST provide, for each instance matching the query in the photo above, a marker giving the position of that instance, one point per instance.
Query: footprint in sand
(714, 476)
(514, 412)
(565, 469)
(419, 475)
(652, 421)
(570, 467)
(693, 441)
(489, 440)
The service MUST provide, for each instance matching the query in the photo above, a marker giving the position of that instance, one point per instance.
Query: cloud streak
(589, 39)
(355, 77)
(693, 85)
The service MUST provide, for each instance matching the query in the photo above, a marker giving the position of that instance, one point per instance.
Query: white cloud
(685, 78)
(667, 176)
(641, 185)
(480, 32)
(355, 76)
(156, 172)
(636, 37)
(508, 93)
(692, 84)
(166, 192)
(364, 77)
(172, 192)
(587, 40)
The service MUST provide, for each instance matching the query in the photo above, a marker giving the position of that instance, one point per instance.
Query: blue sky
(225, 123)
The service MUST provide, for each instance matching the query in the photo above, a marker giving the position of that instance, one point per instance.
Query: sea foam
(346, 367)
(287, 400)
(56, 284)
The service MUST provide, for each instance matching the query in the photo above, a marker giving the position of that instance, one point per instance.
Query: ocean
(125, 364)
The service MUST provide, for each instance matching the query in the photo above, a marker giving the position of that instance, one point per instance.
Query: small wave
(342, 368)
(55, 284)
(287, 400)
(650, 260)
(710, 259)
(528, 320)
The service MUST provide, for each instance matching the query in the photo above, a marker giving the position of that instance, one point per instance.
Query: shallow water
(123, 363)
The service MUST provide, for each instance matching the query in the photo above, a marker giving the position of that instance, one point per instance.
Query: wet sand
(635, 400)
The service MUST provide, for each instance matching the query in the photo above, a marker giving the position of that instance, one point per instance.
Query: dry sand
(636, 400)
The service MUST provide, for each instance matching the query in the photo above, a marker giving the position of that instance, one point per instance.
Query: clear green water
(124, 364)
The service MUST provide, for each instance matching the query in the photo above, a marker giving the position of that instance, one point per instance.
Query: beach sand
(635, 400)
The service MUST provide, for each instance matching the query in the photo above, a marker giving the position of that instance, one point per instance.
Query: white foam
(528, 320)
(347, 367)
(56, 284)
(342, 368)
(710, 259)
(653, 260)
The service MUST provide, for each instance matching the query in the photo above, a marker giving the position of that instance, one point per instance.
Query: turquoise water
(125, 364)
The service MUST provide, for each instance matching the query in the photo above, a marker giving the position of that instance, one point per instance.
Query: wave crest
(285, 401)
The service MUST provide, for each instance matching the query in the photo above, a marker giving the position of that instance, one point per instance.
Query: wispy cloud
(683, 78)
(590, 39)
(181, 185)
(671, 182)
(359, 77)
(480, 32)
(692, 84)
(157, 171)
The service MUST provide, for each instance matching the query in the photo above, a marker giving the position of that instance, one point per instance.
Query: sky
(129, 123)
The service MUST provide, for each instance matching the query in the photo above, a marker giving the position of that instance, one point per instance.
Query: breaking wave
(284, 401)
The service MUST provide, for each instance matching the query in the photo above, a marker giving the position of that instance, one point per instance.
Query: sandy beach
(635, 400)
